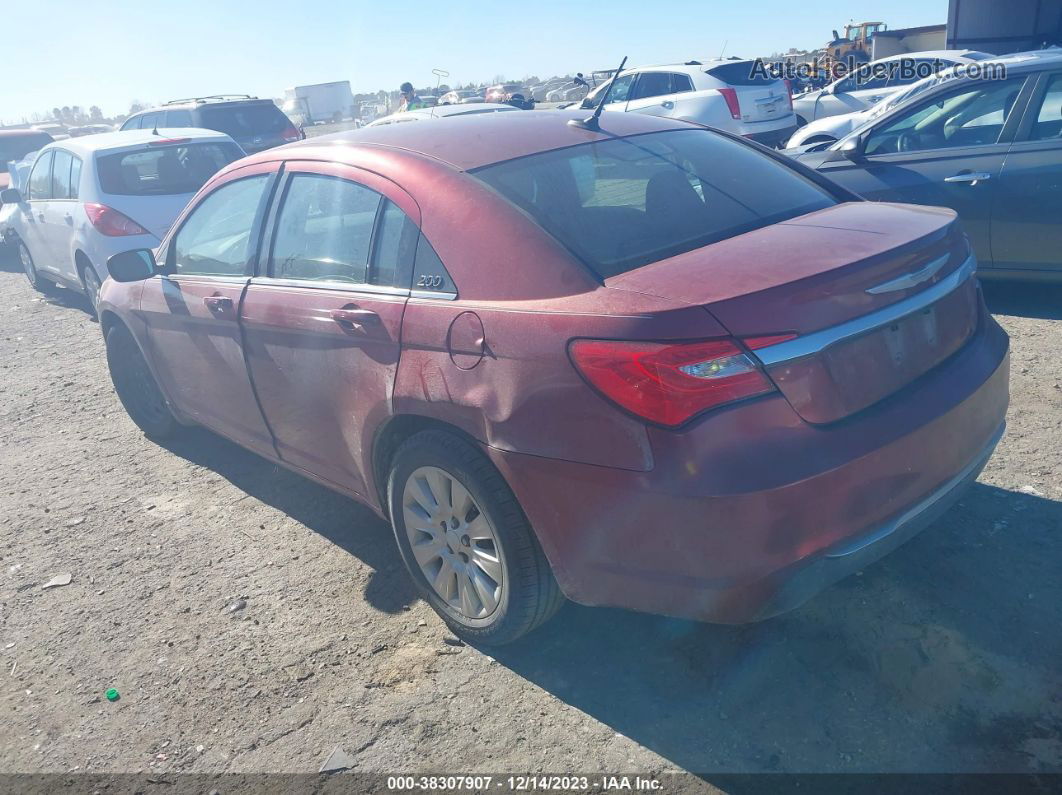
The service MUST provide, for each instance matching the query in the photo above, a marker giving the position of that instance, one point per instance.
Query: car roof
(22, 132)
(200, 102)
(90, 144)
(469, 141)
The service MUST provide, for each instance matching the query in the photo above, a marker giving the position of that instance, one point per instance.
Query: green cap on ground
(112, 694)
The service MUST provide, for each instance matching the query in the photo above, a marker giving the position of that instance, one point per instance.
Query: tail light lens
(291, 133)
(731, 97)
(108, 221)
(789, 90)
(669, 383)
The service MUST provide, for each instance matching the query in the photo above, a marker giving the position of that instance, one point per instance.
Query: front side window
(973, 116)
(164, 170)
(215, 240)
(40, 181)
(1049, 120)
(132, 124)
(61, 174)
(623, 203)
(324, 230)
(619, 92)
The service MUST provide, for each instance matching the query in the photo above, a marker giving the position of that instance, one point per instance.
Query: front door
(946, 151)
(322, 322)
(34, 229)
(192, 313)
(1026, 228)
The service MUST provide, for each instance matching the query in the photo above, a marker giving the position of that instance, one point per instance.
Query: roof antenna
(591, 122)
(156, 130)
(439, 75)
(725, 43)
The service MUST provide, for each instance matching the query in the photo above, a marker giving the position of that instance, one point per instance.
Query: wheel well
(81, 261)
(392, 435)
(109, 320)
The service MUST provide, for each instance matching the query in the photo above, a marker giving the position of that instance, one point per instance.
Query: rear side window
(40, 181)
(394, 248)
(1049, 119)
(741, 73)
(75, 177)
(626, 202)
(164, 170)
(680, 83)
(242, 121)
(324, 230)
(61, 166)
(179, 118)
(652, 84)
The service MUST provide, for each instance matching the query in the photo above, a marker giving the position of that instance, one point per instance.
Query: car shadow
(346, 523)
(939, 658)
(1024, 299)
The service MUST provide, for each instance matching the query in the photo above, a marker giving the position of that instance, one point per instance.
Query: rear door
(59, 213)
(947, 150)
(34, 230)
(322, 321)
(1026, 233)
(192, 314)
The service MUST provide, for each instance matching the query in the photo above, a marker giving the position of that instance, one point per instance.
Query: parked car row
(89, 198)
(323, 305)
(991, 149)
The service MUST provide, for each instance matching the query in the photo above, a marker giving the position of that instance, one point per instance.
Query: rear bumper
(772, 138)
(751, 511)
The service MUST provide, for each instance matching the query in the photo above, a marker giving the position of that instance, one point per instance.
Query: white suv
(90, 198)
(728, 95)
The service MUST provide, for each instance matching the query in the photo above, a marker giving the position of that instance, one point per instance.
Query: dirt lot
(252, 620)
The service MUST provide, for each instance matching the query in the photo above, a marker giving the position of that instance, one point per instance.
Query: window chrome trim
(349, 287)
(818, 341)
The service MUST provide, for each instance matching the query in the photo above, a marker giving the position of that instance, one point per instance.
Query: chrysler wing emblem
(909, 279)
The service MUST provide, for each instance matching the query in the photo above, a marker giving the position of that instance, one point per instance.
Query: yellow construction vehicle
(853, 48)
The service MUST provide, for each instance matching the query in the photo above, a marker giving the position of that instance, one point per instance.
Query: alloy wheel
(453, 542)
(27, 263)
(92, 286)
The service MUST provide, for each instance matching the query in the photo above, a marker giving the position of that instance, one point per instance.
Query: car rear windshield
(626, 202)
(245, 121)
(16, 147)
(741, 73)
(164, 170)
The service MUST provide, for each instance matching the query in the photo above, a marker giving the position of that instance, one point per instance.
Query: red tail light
(731, 97)
(669, 383)
(110, 222)
(789, 90)
(291, 133)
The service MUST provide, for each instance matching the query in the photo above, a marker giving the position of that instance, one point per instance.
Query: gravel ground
(252, 621)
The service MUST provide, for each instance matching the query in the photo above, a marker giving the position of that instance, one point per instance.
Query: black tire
(531, 595)
(37, 282)
(136, 387)
(90, 282)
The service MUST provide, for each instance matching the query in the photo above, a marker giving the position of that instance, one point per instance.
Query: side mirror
(10, 196)
(132, 266)
(580, 82)
(853, 149)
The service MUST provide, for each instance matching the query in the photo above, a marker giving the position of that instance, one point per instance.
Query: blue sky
(73, 52)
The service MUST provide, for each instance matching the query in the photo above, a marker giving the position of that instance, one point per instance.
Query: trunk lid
(873, 296)
(760, 96)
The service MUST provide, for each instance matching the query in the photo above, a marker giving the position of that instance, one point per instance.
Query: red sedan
(651, 366)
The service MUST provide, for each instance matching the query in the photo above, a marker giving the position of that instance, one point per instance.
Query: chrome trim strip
(324, 284)
(818, 341)
(912, 513)
(910, 279)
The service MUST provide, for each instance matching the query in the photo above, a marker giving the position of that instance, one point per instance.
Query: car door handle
(219, 304)
(69, 219)
(354, 318)
(971, 177)
(667, 104)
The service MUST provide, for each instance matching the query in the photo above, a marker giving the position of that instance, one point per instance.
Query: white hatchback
(89, 198)
(730, 95)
